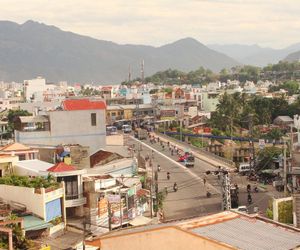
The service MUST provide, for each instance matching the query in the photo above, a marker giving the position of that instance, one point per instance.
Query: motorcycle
(175, 187)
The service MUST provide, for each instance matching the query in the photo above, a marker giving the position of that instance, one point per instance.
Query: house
(45, 203)
(6, 164)
(283, 121)
(120, 197)
(21, 151)
(68, 174)
(221, 231)
(61, 126)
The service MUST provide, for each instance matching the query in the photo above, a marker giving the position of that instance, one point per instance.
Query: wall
(69, 127)
(209, 104)
(165, 238)
(74, 127)
(34, 86)
(34, 203)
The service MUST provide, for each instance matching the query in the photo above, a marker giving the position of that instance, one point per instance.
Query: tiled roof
(14, 147)
(82, 104)
(61, 167)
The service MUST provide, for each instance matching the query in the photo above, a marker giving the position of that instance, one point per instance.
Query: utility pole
(151, 190)
(284, 168)
(109, 215)
(226, 203)
(156, 191)
(121, 215)
(84, 232)
(252, 159)
(180, 130)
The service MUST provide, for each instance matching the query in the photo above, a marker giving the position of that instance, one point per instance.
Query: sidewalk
(183, 146)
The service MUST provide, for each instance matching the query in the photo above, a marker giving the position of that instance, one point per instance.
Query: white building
(80, 121)
(33, 89)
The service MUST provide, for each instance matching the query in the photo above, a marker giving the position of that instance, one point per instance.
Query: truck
(140, 134)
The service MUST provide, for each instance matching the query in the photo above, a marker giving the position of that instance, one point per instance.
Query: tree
(12, 114)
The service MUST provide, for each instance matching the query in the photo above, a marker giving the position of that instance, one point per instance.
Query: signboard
(113, 198)
(102, 206)
(131, 191)
(261, 143)
(167, 113)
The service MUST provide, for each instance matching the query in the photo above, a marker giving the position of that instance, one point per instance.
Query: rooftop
(14, 147)
(61, 167)
(250, 234)
(82, 104)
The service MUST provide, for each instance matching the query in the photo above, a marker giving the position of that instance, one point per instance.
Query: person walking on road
(168, 175)
(204, 181)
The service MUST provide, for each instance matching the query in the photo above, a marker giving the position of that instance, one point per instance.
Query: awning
(34, 223)
(140, 220)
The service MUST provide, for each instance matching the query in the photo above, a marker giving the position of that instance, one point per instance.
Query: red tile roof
(82, 104)
(61, 167)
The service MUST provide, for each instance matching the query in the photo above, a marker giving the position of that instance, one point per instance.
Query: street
(190, 200)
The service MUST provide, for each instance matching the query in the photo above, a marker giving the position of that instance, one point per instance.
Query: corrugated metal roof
(251, 234)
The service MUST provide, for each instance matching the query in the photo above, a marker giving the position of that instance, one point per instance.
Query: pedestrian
(175, 187)
(204, 181)
(168, 175)
(172, 152)
(158, 168)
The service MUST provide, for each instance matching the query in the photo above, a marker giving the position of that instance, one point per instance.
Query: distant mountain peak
(35, 48)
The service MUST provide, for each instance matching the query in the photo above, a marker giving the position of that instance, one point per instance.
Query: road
(190, 200)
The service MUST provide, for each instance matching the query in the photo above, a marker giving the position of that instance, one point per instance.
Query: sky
(269, 23)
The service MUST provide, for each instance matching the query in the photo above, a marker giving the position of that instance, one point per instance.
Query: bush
(25, 181)
(285, 212)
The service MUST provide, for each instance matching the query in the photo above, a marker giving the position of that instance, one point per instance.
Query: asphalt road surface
(190, 200)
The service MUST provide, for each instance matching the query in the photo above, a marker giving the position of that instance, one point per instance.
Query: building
(70, 175)
(33, 89)
(225, 230)
(78, 121)
(21, 151)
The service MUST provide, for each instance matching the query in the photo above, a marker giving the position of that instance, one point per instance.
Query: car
(241, 209)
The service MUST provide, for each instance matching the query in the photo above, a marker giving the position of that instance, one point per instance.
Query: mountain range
(35, 49)
(256, 55)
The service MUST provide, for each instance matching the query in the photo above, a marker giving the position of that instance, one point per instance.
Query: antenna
(129, 73)
(142, 71)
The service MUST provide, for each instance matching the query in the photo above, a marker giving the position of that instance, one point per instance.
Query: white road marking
(178, 164)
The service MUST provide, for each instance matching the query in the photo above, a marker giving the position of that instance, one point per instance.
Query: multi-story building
(77, 121)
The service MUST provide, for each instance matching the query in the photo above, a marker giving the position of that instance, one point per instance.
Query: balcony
(75, 200)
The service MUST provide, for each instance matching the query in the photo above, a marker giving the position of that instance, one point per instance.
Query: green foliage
(198, 142)
(12, 114)
(274, 134)
(168, 90)
(89, 91)
(269, 211)
(266, 156)
(285, 212)
(159, 201)
(19, 240)
(291, 86)
(56, 221)
(25, 181)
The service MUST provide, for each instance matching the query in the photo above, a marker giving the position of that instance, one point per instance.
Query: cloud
(269, 23)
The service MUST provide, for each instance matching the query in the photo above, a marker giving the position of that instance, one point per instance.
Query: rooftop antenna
(142, 71)
(129, 73)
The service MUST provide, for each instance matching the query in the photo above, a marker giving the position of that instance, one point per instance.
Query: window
(93, 119)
